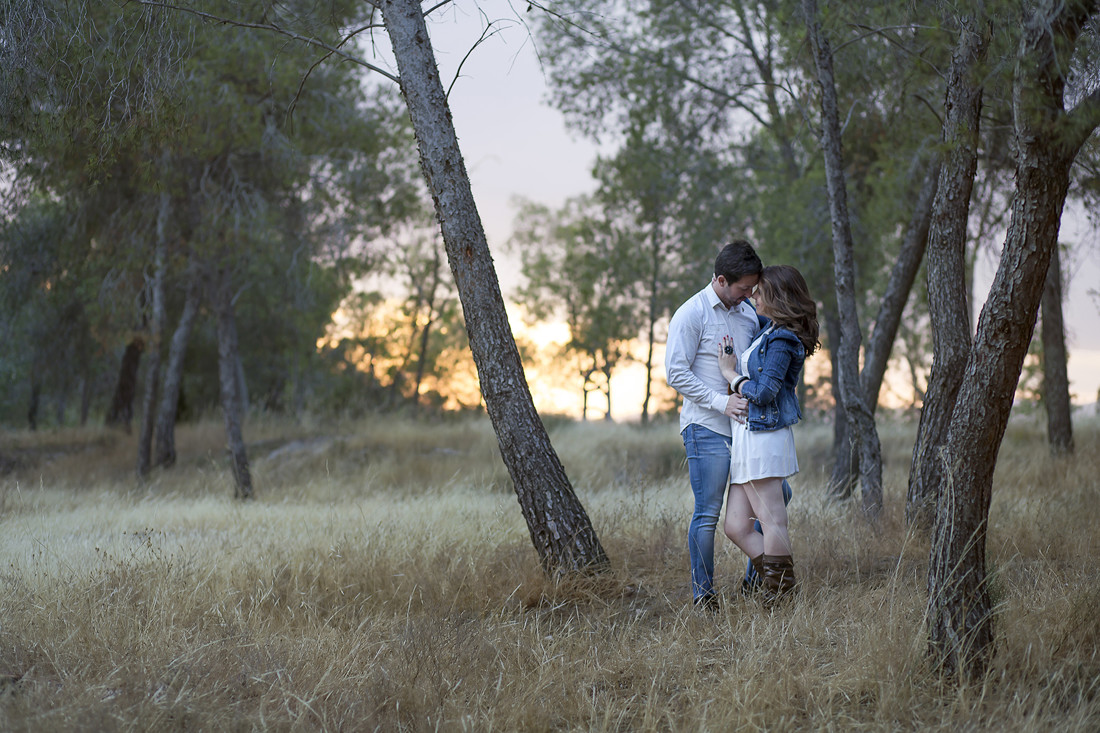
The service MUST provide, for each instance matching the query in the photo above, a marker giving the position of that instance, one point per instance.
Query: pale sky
(516, 144)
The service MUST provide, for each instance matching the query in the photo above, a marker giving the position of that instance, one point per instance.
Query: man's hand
(737, 407)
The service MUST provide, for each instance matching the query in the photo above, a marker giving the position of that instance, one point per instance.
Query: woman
(762, 451)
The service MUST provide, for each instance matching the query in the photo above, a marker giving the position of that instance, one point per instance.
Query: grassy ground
(384, 579)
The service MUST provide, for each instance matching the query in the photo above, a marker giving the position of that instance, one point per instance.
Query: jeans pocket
(690, 442)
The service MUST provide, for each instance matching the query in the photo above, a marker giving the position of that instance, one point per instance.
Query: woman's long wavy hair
(787, 303)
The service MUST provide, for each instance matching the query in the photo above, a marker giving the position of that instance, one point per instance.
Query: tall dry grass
(384, 580)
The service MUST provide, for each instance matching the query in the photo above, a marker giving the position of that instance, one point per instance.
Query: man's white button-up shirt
(691, 356)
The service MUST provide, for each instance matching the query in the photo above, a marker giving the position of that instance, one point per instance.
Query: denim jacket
(773, 371)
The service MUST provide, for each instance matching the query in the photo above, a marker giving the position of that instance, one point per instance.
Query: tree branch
(1083, 119)
(488, 32)
(332, 50)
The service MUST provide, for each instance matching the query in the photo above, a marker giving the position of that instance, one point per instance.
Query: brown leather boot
(779, 580)
(748, 588)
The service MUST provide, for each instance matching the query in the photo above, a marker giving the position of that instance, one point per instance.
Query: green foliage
(670, 86)
(45, 310)
(283, 172)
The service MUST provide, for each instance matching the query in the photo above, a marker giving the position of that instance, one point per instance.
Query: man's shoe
(708, 603)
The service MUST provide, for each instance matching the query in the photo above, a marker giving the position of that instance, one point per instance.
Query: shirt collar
(715, 302)
(713, 299)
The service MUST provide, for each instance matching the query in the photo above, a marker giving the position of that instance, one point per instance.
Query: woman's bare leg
(738, 524)
(766, 499)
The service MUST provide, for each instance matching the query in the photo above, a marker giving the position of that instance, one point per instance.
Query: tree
(158, 318)
(669, 198)
(579, 268)
(1055, 377)
(1048, 137)
(946, 273)
(44, 310)
(861, 423)
(253, 193)
(165, 430)
(560, 530)
(734, 77)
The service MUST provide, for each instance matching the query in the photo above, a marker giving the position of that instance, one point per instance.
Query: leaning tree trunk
(228, 358)
(560, 529)
(960, 612)
(946, 271)
(122, 404)
(165, 451)
(1055, 376)
(861, 421)
(156, 331)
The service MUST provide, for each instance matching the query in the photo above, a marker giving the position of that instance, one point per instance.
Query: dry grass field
(383, 579)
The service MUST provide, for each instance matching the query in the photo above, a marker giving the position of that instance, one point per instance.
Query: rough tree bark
(560, 529)
(165, 450)
(122, 404)
(228, 357)
(861, 421)
(960, 613)
(946, 272)
(156, 331)
(1055, 376)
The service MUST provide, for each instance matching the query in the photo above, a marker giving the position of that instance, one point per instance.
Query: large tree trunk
(165, 452)
(1055, 376)
(861, 420)
(947, 292)
(228, 359)
(122, 404)
(156, 331)
(560, 529)
(960, 613)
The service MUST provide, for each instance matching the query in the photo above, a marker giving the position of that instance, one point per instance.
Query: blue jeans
(708, 455)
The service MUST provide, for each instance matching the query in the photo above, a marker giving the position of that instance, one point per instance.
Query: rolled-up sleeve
(684, 335)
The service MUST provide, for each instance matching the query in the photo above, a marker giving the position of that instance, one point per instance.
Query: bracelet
(737, 385)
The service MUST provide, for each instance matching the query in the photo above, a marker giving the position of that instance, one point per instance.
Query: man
(691, 368)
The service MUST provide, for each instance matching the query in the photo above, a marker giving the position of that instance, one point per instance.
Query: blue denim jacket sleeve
(773, 371)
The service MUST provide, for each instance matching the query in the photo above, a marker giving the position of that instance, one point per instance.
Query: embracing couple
(737, 368)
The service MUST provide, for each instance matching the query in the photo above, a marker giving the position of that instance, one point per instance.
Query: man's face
(734, 293)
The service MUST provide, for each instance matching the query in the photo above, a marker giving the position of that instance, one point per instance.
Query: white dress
(762, 453)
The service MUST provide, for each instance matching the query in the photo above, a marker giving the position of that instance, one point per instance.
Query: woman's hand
(727, 360)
